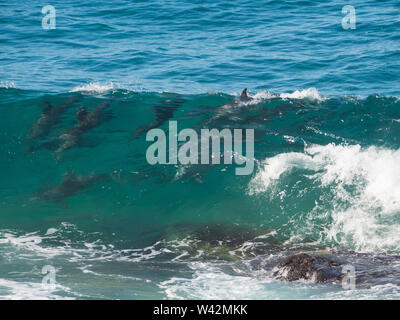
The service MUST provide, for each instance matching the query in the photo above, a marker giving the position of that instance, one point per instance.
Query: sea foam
(94, 87)
(362, 204)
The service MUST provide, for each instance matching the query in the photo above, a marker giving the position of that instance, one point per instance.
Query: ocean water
(325, 111)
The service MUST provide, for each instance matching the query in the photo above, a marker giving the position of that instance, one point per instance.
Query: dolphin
(163, 112)
(71, 184)
(86, 121)
(47, 145)
(50, 117)
(229, 108)
(269, 113)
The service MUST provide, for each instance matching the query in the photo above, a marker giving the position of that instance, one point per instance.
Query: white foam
(209, 282)
(386, 291)
(94, 87)
(364, 206)
(51, 231)
(310, 93)
(214, 282)
(35, 245)
(7, 85)
(15, 290)
(263, 95)
(273, 168)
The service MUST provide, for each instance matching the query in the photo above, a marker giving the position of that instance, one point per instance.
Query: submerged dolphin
(50, 116)
(163, 112)
(229, 108)
(47, 145)
(71, 184)
(86, 121)
(269, 113)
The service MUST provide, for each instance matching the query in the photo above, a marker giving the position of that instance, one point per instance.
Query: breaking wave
(326, 176)
(359, 205)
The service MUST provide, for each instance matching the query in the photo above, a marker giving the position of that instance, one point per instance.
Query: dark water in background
(326, 160)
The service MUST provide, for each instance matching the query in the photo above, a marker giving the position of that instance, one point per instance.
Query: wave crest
(94, 87)
(357, 203)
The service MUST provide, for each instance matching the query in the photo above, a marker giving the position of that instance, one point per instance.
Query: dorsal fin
(244, 95)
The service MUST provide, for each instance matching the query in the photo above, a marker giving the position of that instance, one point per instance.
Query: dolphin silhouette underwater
(50, 117)
(87, 120)
(71, 185)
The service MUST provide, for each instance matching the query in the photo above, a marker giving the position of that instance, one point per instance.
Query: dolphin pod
(89, 119)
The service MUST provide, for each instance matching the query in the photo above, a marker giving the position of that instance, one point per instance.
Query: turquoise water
(326, 120)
